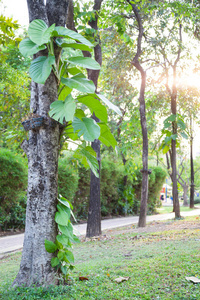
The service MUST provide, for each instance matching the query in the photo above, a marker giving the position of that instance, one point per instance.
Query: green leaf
(41, 67)
(91, 160)
(79, 113)
(73, 71)
(106, 136)
(171, 118)
(79, 82)
(64, 208)
(28, 48)
(75, 239)
(65, 202)
(79, 46)
(165, 149)
(86, 127)
(110, 104)
(54, 262)
(84, 62)
(63, 239)
(39, 32)
(62, 218)
(50, 246)
(65, 32)
(94, 106)
(60, 255)
(63, 110)
(69, 257)
(64, 270)
(174, 136)
(184, 135)
(181, 124)
(66, 230)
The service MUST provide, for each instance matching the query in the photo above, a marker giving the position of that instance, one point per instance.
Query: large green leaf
(28, 48)
(65, 202)
(63, 110)
(80, 83)
(94, 106)
(41, 67)
(39, 32)
(84, 62)
(63, 239)
(54, 261)
(86, 127)
(65, 32)
(110, 104)
(66, 230)
(62, 218)
(106, 136)
(91, 160)
(50, 246)
(69, 257)
(64, 44)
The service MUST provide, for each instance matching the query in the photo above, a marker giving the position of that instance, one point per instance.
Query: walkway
(15, 242)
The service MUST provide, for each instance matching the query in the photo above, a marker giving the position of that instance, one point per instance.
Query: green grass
(169, 209)
(157, 264)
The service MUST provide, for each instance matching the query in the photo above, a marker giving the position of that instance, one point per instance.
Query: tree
(42, 152)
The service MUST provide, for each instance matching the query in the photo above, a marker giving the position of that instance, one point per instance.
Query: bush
(156, 180)
(13, 184)
(111, 176)
(196, 200)
(67, 178)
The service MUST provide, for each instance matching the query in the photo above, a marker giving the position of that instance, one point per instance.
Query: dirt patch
(11, 232)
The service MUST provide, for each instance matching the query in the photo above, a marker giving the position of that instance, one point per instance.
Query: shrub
(13, 183)
(196, 200)
(111, 176)
(67, 178)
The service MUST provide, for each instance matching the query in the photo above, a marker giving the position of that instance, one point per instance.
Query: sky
(16, 9)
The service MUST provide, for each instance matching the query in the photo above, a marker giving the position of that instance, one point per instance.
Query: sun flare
(190, 79)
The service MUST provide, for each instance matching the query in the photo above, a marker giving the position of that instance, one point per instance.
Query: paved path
(15, 242)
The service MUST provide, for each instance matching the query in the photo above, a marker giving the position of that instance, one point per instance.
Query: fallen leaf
(82, 278)
(120, 279)
(193, 279)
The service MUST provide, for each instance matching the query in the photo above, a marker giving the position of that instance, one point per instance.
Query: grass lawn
(169, 209)
(156, 259)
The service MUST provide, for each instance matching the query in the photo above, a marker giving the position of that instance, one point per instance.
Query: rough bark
(176, 206)
(185, 191)
(145, 172)
(192, 185)
(42, 152)
(94, 212)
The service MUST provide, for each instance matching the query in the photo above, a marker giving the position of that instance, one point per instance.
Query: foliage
(13, 182)
(111, 176)
(56, 38)
(7, 30)
(67, 179)
(156, 180)
(64, 259)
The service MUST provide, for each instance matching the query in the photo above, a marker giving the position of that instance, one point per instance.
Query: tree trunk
(144, 192)
(185, 190)
(176, 206)
(42, 152)
(94, 212)
(192, 173)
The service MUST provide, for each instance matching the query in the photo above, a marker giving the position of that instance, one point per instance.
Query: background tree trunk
(192, 185)
(94, 212)
(144, 191)
(42, 152)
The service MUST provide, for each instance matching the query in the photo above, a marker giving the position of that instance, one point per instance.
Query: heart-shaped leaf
(106, 136)
(39, 32)
(54, 262)
(62, 218)
(86, 127)
(64, 44)
(28, 48)
(63, 110)
(84, 62)
(80, 83)
(65, 32)
(50, 246)
(41, 67)
(69, 257)
(94, 106)
(63, 239)
(110, 104)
